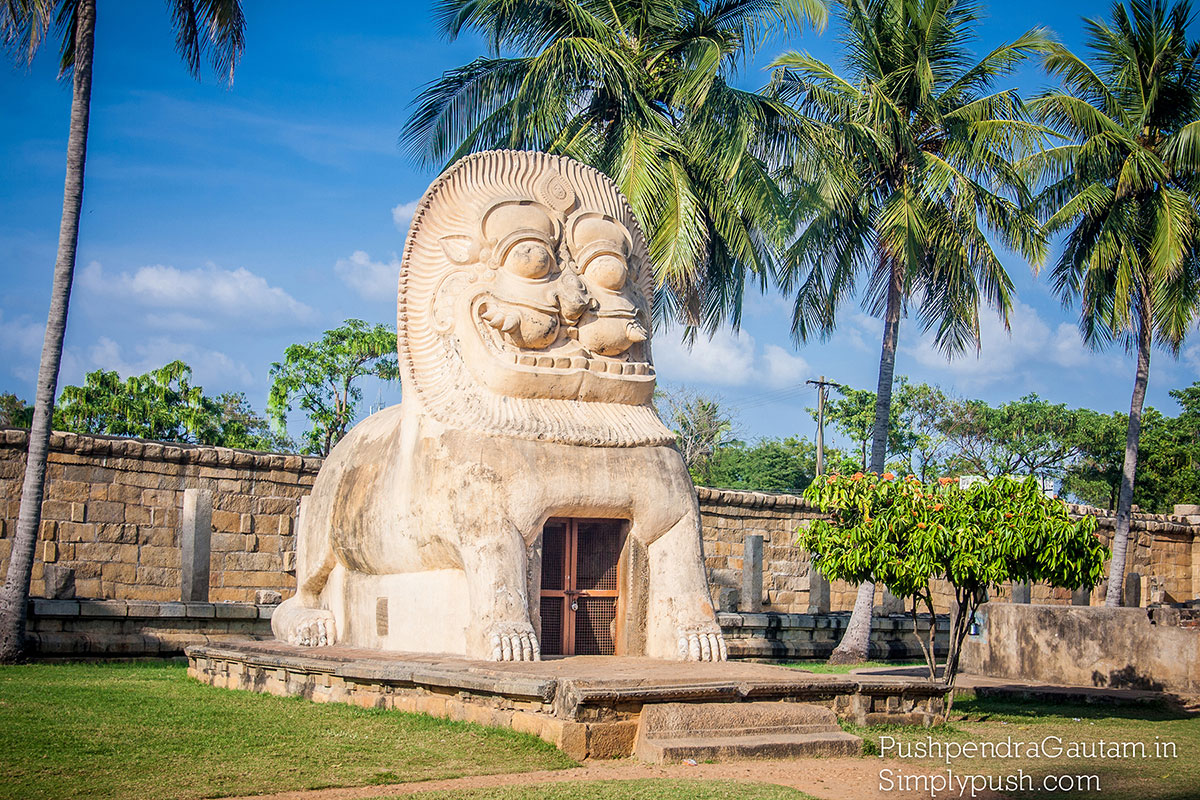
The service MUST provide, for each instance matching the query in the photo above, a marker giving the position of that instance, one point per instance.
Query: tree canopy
(164, 405)
(644, 92)
(324, 378)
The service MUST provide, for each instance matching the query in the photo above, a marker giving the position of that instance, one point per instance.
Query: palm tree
(1125, 186)
(906, 172)
(640, 90)
(202, 27)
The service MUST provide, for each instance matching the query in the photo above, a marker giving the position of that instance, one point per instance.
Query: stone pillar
(1022, 592)
(196, 539)
(818, 592)
(752, 573)
(1133, 591)
(890, 604)
(1081, 597)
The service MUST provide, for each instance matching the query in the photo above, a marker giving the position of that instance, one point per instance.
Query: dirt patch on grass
(824, 778)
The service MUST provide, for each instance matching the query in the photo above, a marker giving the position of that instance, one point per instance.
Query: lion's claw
(515, 645)
(702, 645)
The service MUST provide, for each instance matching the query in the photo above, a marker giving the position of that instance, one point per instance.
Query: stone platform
(587, 706)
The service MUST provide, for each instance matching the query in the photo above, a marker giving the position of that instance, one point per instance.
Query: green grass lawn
(147, 731)
(1121, 778)
(646, 789)
(838, 669)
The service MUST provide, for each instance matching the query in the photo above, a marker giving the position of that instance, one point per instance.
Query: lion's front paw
(703, 644)
(312, 627)
(514, 643)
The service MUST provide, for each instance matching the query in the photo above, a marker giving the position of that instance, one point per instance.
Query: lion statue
(524, 343)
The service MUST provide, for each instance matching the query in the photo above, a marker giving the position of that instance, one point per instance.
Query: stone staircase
(704, 731)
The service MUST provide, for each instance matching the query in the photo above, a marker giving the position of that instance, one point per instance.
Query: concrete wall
(112, 515)
(1113, 647)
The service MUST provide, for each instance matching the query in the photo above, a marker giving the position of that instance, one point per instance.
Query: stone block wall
(112, 505)
(112, 511)
(1163, 551)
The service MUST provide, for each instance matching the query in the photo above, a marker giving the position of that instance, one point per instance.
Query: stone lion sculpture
(524, 344)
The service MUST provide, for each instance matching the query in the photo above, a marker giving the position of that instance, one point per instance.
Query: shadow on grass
(999, 704)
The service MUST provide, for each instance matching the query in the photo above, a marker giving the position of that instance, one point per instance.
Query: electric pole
(822, 392)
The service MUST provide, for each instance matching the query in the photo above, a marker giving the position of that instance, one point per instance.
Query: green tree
(1168, 467)
(904, 180)
(14, 413)
(322, 377)
(905, 534)
(212, 28)
(641, 91)
(244, 429)
(923, 446)
(854, 415)
(1124, 187)
(702, 429)
(163, 405)
(769, 465)
(1030, 436)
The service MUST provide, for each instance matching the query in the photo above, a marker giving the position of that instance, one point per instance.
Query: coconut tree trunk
(15, 595)
(856, 643)
(1120, 545)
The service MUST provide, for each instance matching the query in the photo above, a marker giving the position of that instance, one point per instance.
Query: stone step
(777, 745)
(700, 731)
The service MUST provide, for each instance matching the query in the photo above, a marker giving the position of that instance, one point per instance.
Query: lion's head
(524, 304)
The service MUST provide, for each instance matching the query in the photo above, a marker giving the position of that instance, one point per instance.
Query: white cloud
(402, 215)
(726, 360)
(208, 366)
(1191, 356)
(1004, 356)
(188, 298)
(374, 280)
(21, 344)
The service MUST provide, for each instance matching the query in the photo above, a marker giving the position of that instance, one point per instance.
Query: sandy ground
(826, 778)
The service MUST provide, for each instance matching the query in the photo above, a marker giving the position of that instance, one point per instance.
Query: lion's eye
(529, 260)
(608, 271)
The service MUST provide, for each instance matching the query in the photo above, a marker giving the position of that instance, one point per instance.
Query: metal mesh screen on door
(593, 626)
(552, 626)
(599, 550)
(554, 545)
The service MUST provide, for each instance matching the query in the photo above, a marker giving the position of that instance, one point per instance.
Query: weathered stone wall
(112, 507)
(111, 514)
(1163, 552)
(1121, 648)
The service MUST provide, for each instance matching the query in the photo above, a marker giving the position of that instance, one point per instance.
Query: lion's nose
(573, 298)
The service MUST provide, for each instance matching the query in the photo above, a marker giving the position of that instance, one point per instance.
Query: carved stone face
(525, 275)
(551, 312)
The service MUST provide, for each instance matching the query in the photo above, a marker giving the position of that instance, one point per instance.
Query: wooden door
(580, 585)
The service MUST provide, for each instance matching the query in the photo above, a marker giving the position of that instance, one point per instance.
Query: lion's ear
(458, 249)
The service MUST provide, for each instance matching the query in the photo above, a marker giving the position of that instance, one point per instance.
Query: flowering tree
(905, 534)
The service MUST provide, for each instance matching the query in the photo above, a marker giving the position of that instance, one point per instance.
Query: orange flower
(938, 506)
(830, 479)
(887, 476)
(922, 525)
(944, 481)
(858, 476)
(1007, 515)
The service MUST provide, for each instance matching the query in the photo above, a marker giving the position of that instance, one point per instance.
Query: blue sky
(220, 225)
